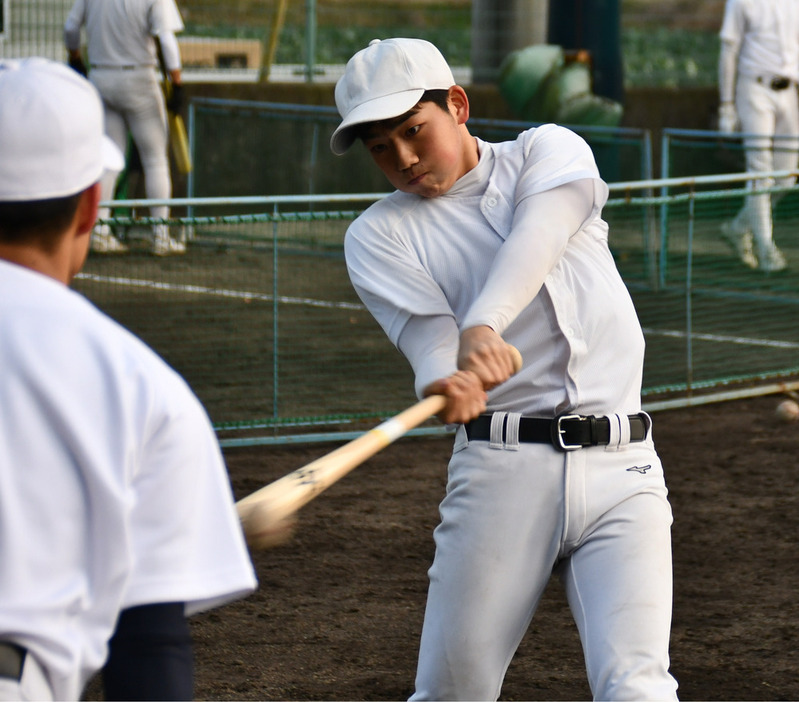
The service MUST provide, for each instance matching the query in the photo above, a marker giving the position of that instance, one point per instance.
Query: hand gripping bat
(263, 510)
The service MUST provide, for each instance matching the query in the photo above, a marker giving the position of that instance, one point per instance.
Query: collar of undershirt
(475, 181)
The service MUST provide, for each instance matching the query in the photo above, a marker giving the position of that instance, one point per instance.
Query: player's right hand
(466, 398)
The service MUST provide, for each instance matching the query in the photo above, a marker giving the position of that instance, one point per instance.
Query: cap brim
(376, 110)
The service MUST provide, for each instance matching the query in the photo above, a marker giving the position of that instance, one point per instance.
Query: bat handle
(517, 358)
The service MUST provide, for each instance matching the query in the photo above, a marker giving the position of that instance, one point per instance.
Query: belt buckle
(558, 432)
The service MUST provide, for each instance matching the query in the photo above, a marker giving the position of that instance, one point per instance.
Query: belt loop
(512, 431)
(496, 438)
(615, 432)
(619, 432)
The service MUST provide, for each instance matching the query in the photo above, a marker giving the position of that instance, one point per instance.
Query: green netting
(261, 319)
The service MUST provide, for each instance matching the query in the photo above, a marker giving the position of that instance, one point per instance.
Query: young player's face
(426, 150)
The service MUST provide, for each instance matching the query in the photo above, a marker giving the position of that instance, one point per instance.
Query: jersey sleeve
(732, 24)
(388, 278)
(165, 17)
(187, 542)
(174, 22)
(431, 346)
(553, 156)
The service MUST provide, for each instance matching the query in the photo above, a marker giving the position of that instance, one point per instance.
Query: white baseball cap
(52, 142)
(385, 80)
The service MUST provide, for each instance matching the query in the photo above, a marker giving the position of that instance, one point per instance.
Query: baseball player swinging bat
(278, 501)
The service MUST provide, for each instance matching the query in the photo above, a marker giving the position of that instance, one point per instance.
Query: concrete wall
(654, 109)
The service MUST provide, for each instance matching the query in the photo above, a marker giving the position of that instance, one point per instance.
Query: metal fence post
(310, 36)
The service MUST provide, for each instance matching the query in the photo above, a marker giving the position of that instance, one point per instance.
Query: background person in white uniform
(554, 468)
(116, 512)
(758, 72)
(123, 65)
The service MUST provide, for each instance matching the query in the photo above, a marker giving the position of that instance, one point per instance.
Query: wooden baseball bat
(179, 141)
(280, 499)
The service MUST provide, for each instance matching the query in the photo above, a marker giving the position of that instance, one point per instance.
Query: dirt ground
(339, 609)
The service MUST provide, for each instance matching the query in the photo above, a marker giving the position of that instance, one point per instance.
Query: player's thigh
(786, 145)
(501, 523)
(116, 129)
(757, 111)
(146, 117)
(619, 587)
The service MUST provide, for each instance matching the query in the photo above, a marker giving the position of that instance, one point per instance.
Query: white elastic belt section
(504, 433)
(619, 431)
(512, 431)
(497, 425)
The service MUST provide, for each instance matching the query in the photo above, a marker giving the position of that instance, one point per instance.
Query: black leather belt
(566, 433)
(775, 82)
(12, 658)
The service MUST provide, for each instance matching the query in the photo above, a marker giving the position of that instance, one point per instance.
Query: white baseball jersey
(120, 32)
(409, 256)
(767, 34)
(114, 491)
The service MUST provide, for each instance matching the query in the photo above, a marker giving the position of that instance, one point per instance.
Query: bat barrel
(284, 496)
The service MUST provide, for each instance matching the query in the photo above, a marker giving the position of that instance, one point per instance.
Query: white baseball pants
(134, 100)
(766, 112)
(599, 518)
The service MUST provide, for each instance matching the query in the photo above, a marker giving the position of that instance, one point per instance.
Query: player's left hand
(485, 353)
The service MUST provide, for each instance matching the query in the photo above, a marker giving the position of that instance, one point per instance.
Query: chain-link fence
(261, 319)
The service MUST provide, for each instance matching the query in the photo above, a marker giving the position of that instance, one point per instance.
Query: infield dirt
(339, 609)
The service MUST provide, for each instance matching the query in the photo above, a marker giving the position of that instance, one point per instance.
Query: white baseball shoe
(167, 246)
(164, 244)
(772, 261)
(103, 241)
(741, 243)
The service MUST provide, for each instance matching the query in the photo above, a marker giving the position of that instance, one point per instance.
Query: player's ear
(86, 214)
(79, 235)
(459, 103)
